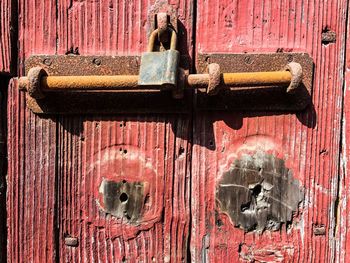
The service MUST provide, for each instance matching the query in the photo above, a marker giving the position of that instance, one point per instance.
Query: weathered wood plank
(152, 151)
(7, 34)
(31, 183)
(31, 149)
(53, 189)
(342, 214)
(307, 142)
(129, 149)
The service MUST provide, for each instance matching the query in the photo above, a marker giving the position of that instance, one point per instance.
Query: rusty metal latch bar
(37, 83)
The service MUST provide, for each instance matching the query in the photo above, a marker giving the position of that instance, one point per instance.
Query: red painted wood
(342, 218)
(31, 183)
(6, 47)
(31, 149)
(109, 28)
(54, 164)
(308, 141)
(87, 156)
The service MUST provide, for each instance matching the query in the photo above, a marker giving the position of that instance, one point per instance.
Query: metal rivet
(71, 241)
(97, 61)
(47, 61)
(319, 230)
(248, 60)
(290, 58)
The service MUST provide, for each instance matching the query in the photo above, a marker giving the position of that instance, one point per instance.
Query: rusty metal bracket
(89, 101)
(268, 98)
(77, 84)
(160, 15)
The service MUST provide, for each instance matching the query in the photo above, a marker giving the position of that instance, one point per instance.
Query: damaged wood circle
(123, 199)
(127, 191)
(259, 193)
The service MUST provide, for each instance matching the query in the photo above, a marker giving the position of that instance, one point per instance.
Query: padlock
(159, 68)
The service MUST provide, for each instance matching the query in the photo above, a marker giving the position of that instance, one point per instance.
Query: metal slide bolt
(37, 82)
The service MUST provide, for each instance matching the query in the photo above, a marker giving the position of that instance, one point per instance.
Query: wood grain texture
(114, 28)
(91, 152)
(31, 148)
(55, 162)
(3, 168)
(111, 27)
(7, 44)
(31, 183)
(308, 142)
(342, 213)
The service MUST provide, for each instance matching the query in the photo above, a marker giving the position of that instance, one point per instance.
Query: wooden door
(270, 155)
(193, 208)
(57, 163)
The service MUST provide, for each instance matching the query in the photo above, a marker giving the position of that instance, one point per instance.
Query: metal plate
(102, 102)
(107, 102)
(256, 100)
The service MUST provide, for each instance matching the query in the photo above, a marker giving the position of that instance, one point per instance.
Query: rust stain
(259, 193)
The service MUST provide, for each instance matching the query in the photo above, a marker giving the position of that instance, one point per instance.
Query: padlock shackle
(154, 34)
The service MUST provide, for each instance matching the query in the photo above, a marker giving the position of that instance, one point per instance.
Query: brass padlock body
(159, 68)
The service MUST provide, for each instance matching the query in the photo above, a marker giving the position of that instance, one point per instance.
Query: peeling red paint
(270, 26)
(269, 253)
(56, 165)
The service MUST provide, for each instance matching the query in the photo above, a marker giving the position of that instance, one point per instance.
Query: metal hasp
(75, 84)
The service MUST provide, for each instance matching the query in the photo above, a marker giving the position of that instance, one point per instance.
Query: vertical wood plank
(31, 183)
(87, 151)
(308, 142)
(31, 148)
(7, 34)
(341, 216)
(89, 148)
(8, 18)
(3, 168)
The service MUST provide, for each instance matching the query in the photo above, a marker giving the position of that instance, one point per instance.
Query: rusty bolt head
(97, 61)
(319, 230)
(47, 61)
(290, 58)
(71, 241)
(248, 60)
